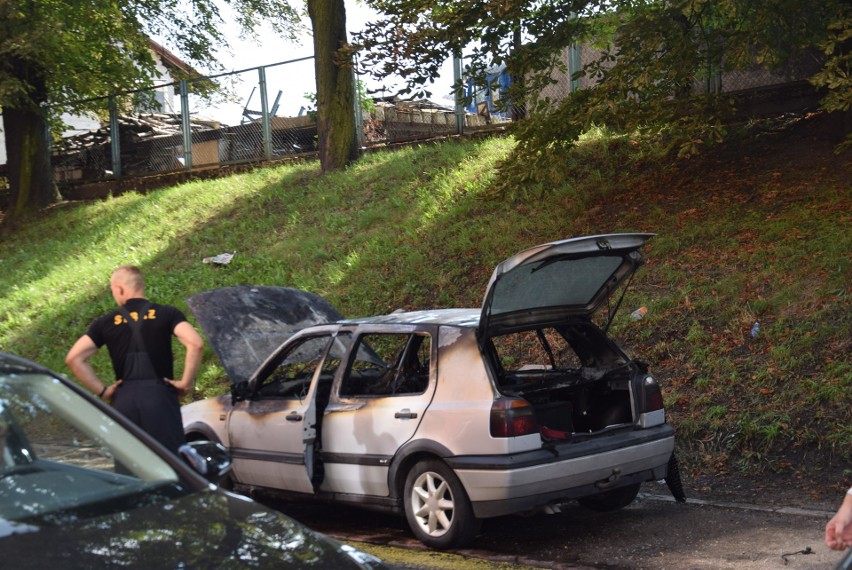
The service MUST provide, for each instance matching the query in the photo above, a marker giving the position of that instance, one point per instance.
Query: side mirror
(239, 392)
(208, 458)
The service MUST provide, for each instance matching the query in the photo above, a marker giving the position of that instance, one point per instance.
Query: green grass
(423, 227)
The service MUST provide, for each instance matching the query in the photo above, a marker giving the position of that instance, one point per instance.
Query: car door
(378, 406)
(273, 432)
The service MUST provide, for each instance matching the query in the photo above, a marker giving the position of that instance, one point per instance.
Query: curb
(798, 511)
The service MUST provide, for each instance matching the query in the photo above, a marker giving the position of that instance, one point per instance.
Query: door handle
(405, 414)
(294, 417)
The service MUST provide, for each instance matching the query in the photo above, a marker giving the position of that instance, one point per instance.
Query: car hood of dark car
(245, 324)
(207, 529)
(549, 283)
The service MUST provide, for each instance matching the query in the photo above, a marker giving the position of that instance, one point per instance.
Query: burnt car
(82, 487)
(447, 416)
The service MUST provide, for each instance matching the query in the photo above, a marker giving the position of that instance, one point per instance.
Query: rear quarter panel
(459, 416)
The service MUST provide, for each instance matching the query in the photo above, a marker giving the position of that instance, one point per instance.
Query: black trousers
(154, 406)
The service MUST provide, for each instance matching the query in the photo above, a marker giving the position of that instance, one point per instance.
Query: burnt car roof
(453, 317)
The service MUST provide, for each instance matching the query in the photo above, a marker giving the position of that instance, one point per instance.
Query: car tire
(611, 500)
(437, 507)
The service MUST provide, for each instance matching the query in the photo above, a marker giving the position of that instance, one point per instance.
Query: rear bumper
(499, 485)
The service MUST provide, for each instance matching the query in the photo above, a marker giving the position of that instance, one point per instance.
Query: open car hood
(554, 281)
(245, 324)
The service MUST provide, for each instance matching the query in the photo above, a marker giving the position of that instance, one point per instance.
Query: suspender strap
(138, 343)
(137, 362)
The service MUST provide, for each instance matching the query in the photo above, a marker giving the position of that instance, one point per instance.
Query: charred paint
(245, 324)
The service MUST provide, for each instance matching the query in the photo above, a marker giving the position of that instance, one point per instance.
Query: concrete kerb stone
(797, 511)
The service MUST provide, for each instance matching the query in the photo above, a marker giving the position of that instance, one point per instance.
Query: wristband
(101, 395)
(849, 492)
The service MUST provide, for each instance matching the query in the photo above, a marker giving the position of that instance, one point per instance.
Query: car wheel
(437, 508)
(611, 500)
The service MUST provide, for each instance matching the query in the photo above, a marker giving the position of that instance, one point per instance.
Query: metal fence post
(264, 114)
(359, 115)
(574, 66)
(114, 138)
(457, 92)
(185, 124)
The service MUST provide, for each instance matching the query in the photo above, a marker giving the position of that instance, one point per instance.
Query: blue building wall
(498, 85)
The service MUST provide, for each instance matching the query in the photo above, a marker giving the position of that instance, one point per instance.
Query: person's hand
(183, 389)
(110, 391)
(838, 531)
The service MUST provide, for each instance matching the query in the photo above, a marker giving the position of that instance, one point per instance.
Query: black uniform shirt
(158, 325)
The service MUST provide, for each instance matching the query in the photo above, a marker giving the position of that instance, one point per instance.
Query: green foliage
(836, 74)
(311, 111)
(66, 56)
(652, 55)
(415, 37)
(72, 49)
(82, 50)
(595, 164)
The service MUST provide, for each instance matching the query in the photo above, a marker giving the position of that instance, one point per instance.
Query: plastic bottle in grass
(639, 313)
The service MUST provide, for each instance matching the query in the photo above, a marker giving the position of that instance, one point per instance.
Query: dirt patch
(779, 168)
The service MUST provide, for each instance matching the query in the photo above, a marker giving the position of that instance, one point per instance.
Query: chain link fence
(266, 113)
(253, 115)
(244, 116)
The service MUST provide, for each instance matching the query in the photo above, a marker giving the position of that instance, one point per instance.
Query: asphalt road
(653, 532)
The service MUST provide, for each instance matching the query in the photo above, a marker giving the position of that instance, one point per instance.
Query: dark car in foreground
(448, 416)
(81, 487)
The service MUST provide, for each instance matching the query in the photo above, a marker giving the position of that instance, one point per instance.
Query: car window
(552, 283)
(30, 434)
(388, 365)
(544, 354)
(539, 349)
(330, 364)
(60, 452)
(291, 378)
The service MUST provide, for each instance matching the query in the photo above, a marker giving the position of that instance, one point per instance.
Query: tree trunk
(27, 149)
(28, 162)
(335, 86)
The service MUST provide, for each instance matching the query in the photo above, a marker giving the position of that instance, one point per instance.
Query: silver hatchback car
(449, 416)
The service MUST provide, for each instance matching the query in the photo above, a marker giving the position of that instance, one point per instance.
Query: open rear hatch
(544, 348)
(552, 282)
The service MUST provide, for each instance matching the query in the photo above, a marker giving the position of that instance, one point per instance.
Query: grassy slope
(756, 231)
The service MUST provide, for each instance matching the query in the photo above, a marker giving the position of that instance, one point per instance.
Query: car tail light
(511, 417)
(652, 397)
